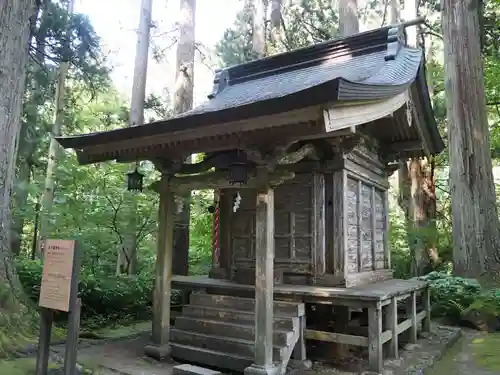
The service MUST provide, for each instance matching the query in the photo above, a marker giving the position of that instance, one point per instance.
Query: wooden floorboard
(373, 292)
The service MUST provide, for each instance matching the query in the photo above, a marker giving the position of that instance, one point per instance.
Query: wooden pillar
(413, 316)
(264, 285)
(159, 347)
(375, 339)
(392, 324)
(426, 299)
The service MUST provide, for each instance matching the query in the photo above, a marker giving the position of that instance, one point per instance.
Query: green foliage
(451, 295)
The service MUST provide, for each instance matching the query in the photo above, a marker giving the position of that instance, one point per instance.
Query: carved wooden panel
(352, 225)
(366, 228)
(379, 229)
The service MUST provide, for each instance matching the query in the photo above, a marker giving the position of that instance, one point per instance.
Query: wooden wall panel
(379, 229)
(352, 226)
(294, 227)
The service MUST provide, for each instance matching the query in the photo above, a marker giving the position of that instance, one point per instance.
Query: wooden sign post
(59, 292)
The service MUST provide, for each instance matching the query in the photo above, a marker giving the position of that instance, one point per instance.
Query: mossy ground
(11, 341)
(485, 351)
(20, 366)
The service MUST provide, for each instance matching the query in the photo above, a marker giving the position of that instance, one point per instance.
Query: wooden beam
(264, 279)
(340, 338)
(220, 180)
(159, 347)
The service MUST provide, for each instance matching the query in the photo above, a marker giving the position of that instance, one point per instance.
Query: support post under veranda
(264, 285)
(159, 347)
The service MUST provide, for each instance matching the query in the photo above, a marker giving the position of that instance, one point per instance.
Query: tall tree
(259, 28)
(476, 228)
(348, 17)
(54, 148)
(14, 35)
(183, 101)
(127, 253)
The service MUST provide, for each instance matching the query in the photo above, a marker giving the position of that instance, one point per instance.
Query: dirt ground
(475, 353)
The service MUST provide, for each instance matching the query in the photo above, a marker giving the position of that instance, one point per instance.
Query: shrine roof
(374, 65)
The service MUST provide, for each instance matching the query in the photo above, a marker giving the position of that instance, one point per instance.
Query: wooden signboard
(57, 279)
(58, 291)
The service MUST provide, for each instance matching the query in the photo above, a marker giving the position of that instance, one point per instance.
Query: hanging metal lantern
(135, 180)
(238, 173)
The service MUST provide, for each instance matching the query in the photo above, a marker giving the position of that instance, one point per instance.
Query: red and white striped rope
(215, 234)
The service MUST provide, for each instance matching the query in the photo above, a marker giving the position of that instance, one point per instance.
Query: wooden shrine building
(299, 147)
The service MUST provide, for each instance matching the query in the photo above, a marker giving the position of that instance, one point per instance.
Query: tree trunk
(475, 222)
(394, 12)
(14, 34)
(183, 101)
(276, 20)
(416, 191)
(259, 28)
(54, 150)
(127, 254)
(20, 198)
(348, 17)
(27, 145)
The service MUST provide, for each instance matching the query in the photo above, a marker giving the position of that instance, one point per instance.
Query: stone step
(244, 348)
(208, 357)
(233, 330)
(187, 369)
(233, 316)
(281, 308)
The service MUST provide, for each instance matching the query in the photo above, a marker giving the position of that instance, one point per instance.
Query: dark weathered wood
(329, 225)
(211, 357)
(426, 299)
(318, 225)
(299, 352)
(294, 233)
(375, 359)
(264, 283)
(379, 291)
(374, 229)
(71, 348)
(220, 180)
(367, 277)
(43, 353)
(225, 215)
(392, 324)
(329, 280)
(366, 175)
(413, 316)
(387, 250)
(339, 221)
(229, 329)
(359, 217)
(159, 347)
(351, 224)
(244, 275)
(293, 253)
(340, 338)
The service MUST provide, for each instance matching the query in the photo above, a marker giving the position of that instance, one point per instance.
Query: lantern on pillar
(134, 180)
(238, 173)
